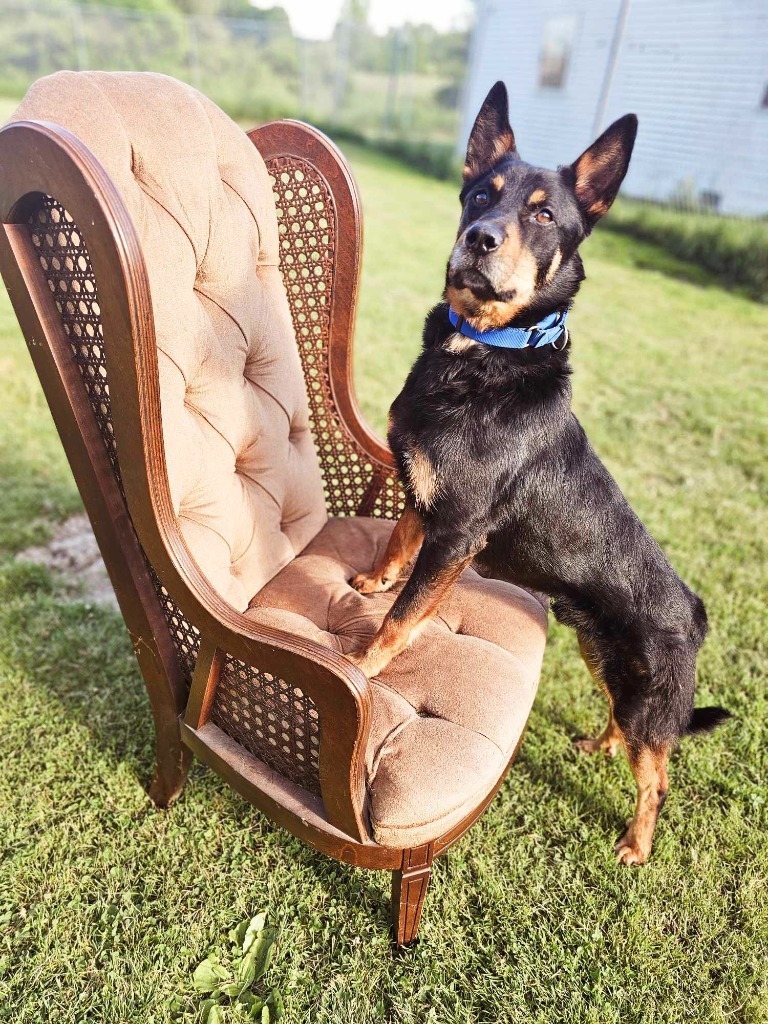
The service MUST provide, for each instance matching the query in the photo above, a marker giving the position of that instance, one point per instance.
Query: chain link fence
(400, 87)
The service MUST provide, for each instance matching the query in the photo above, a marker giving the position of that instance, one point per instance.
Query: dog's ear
(491, 137)
(598, 173)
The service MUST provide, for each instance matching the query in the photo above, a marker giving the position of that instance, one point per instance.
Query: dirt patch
(74, 555)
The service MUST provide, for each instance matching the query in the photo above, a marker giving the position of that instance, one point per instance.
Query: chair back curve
(242, 469)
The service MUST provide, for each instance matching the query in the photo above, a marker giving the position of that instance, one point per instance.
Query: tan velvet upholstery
(449, 711)
(243, 471)
(242, 467)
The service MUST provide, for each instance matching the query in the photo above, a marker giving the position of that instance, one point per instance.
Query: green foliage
(226, 978)
(107, 904)
(404, 85)
(734, 249)
(437, 160)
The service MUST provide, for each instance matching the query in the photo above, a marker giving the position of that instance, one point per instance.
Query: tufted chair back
(243, 472)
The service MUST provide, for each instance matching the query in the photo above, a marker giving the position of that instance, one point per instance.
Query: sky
(315, 19)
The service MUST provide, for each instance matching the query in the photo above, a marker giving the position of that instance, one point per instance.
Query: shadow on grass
(80, 656)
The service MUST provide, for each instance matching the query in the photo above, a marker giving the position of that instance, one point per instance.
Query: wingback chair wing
(187, 293)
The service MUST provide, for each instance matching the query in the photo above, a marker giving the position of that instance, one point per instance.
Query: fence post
(394, 73)
(194, 52)
(343, 40)
(302, 46)
(78, 30)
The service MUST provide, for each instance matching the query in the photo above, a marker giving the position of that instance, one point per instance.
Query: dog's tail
(706, 719)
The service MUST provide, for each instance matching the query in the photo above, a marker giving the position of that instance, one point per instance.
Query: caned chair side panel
(65, 262)
(320, 228)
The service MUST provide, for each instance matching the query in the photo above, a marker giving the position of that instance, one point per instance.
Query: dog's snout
(482, 238)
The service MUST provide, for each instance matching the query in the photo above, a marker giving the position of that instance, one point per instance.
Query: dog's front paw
(371, 583)
(371, 660)
(628, 851)
(361, 659)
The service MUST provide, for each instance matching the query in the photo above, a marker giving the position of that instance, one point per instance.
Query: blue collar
(547, 332)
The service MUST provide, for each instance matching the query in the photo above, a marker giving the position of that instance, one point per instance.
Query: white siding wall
(693, 70)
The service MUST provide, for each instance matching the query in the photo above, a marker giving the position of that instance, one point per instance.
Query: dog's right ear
(491, 137)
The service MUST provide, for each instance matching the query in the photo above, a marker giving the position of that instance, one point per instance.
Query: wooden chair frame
(132, 514)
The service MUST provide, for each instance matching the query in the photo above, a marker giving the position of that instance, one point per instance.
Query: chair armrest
(284, 682)
(320, 221)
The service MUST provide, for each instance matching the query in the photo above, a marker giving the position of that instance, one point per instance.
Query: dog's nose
(483, 238)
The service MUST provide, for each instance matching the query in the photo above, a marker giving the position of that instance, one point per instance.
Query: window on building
(556, 49)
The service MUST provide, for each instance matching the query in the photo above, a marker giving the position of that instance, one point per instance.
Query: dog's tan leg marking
(396, 633)
(404, 542)
(610, 739)
(650, 770)
(422, 477)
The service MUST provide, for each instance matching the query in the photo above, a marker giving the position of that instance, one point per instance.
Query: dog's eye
(480, 198)
(544, 217)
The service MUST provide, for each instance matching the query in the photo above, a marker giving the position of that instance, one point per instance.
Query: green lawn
(107, 904)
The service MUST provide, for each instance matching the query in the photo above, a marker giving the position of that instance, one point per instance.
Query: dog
(498, 471)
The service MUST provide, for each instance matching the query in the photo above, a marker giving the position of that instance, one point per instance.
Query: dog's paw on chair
(371, 583)
(360, 658)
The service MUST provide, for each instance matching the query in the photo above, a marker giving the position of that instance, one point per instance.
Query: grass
(107, 905)
(734, 248)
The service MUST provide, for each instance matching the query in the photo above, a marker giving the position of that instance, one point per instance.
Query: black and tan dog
(497, 468)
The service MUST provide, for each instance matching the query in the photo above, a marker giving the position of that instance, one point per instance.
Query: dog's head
(515, 256)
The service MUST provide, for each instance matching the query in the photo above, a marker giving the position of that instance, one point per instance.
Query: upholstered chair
(187, 293)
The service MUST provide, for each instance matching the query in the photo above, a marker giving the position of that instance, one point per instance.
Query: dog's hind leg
(404, 542)
(610, 739)
(649, 767)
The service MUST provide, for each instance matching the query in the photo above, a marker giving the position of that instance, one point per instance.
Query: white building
(694, 71)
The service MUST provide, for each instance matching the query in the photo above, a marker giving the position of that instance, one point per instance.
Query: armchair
(173, 277)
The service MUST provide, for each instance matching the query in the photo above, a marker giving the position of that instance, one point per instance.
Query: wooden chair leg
(409, 889)
(172, 761)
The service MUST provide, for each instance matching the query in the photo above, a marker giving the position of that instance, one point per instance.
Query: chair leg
(172, 761)
(409, 890)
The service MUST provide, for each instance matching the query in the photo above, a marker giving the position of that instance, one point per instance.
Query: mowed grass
(107, 904)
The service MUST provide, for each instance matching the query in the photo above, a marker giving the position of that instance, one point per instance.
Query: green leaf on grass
(246, 971)
(208, 975)
(262, 950)
(211, 1012)
(275, 1000)
(205, 1010)
(254, 927)
(237, 935)
(230, 983)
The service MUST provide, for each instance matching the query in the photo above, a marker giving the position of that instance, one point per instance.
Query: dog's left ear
(598, 173)
(491, 137)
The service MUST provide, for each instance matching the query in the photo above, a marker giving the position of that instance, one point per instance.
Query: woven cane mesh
(306, 219)
(66, 264)
(273, 720)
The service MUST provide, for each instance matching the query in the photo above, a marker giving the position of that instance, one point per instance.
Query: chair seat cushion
(450, 710)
